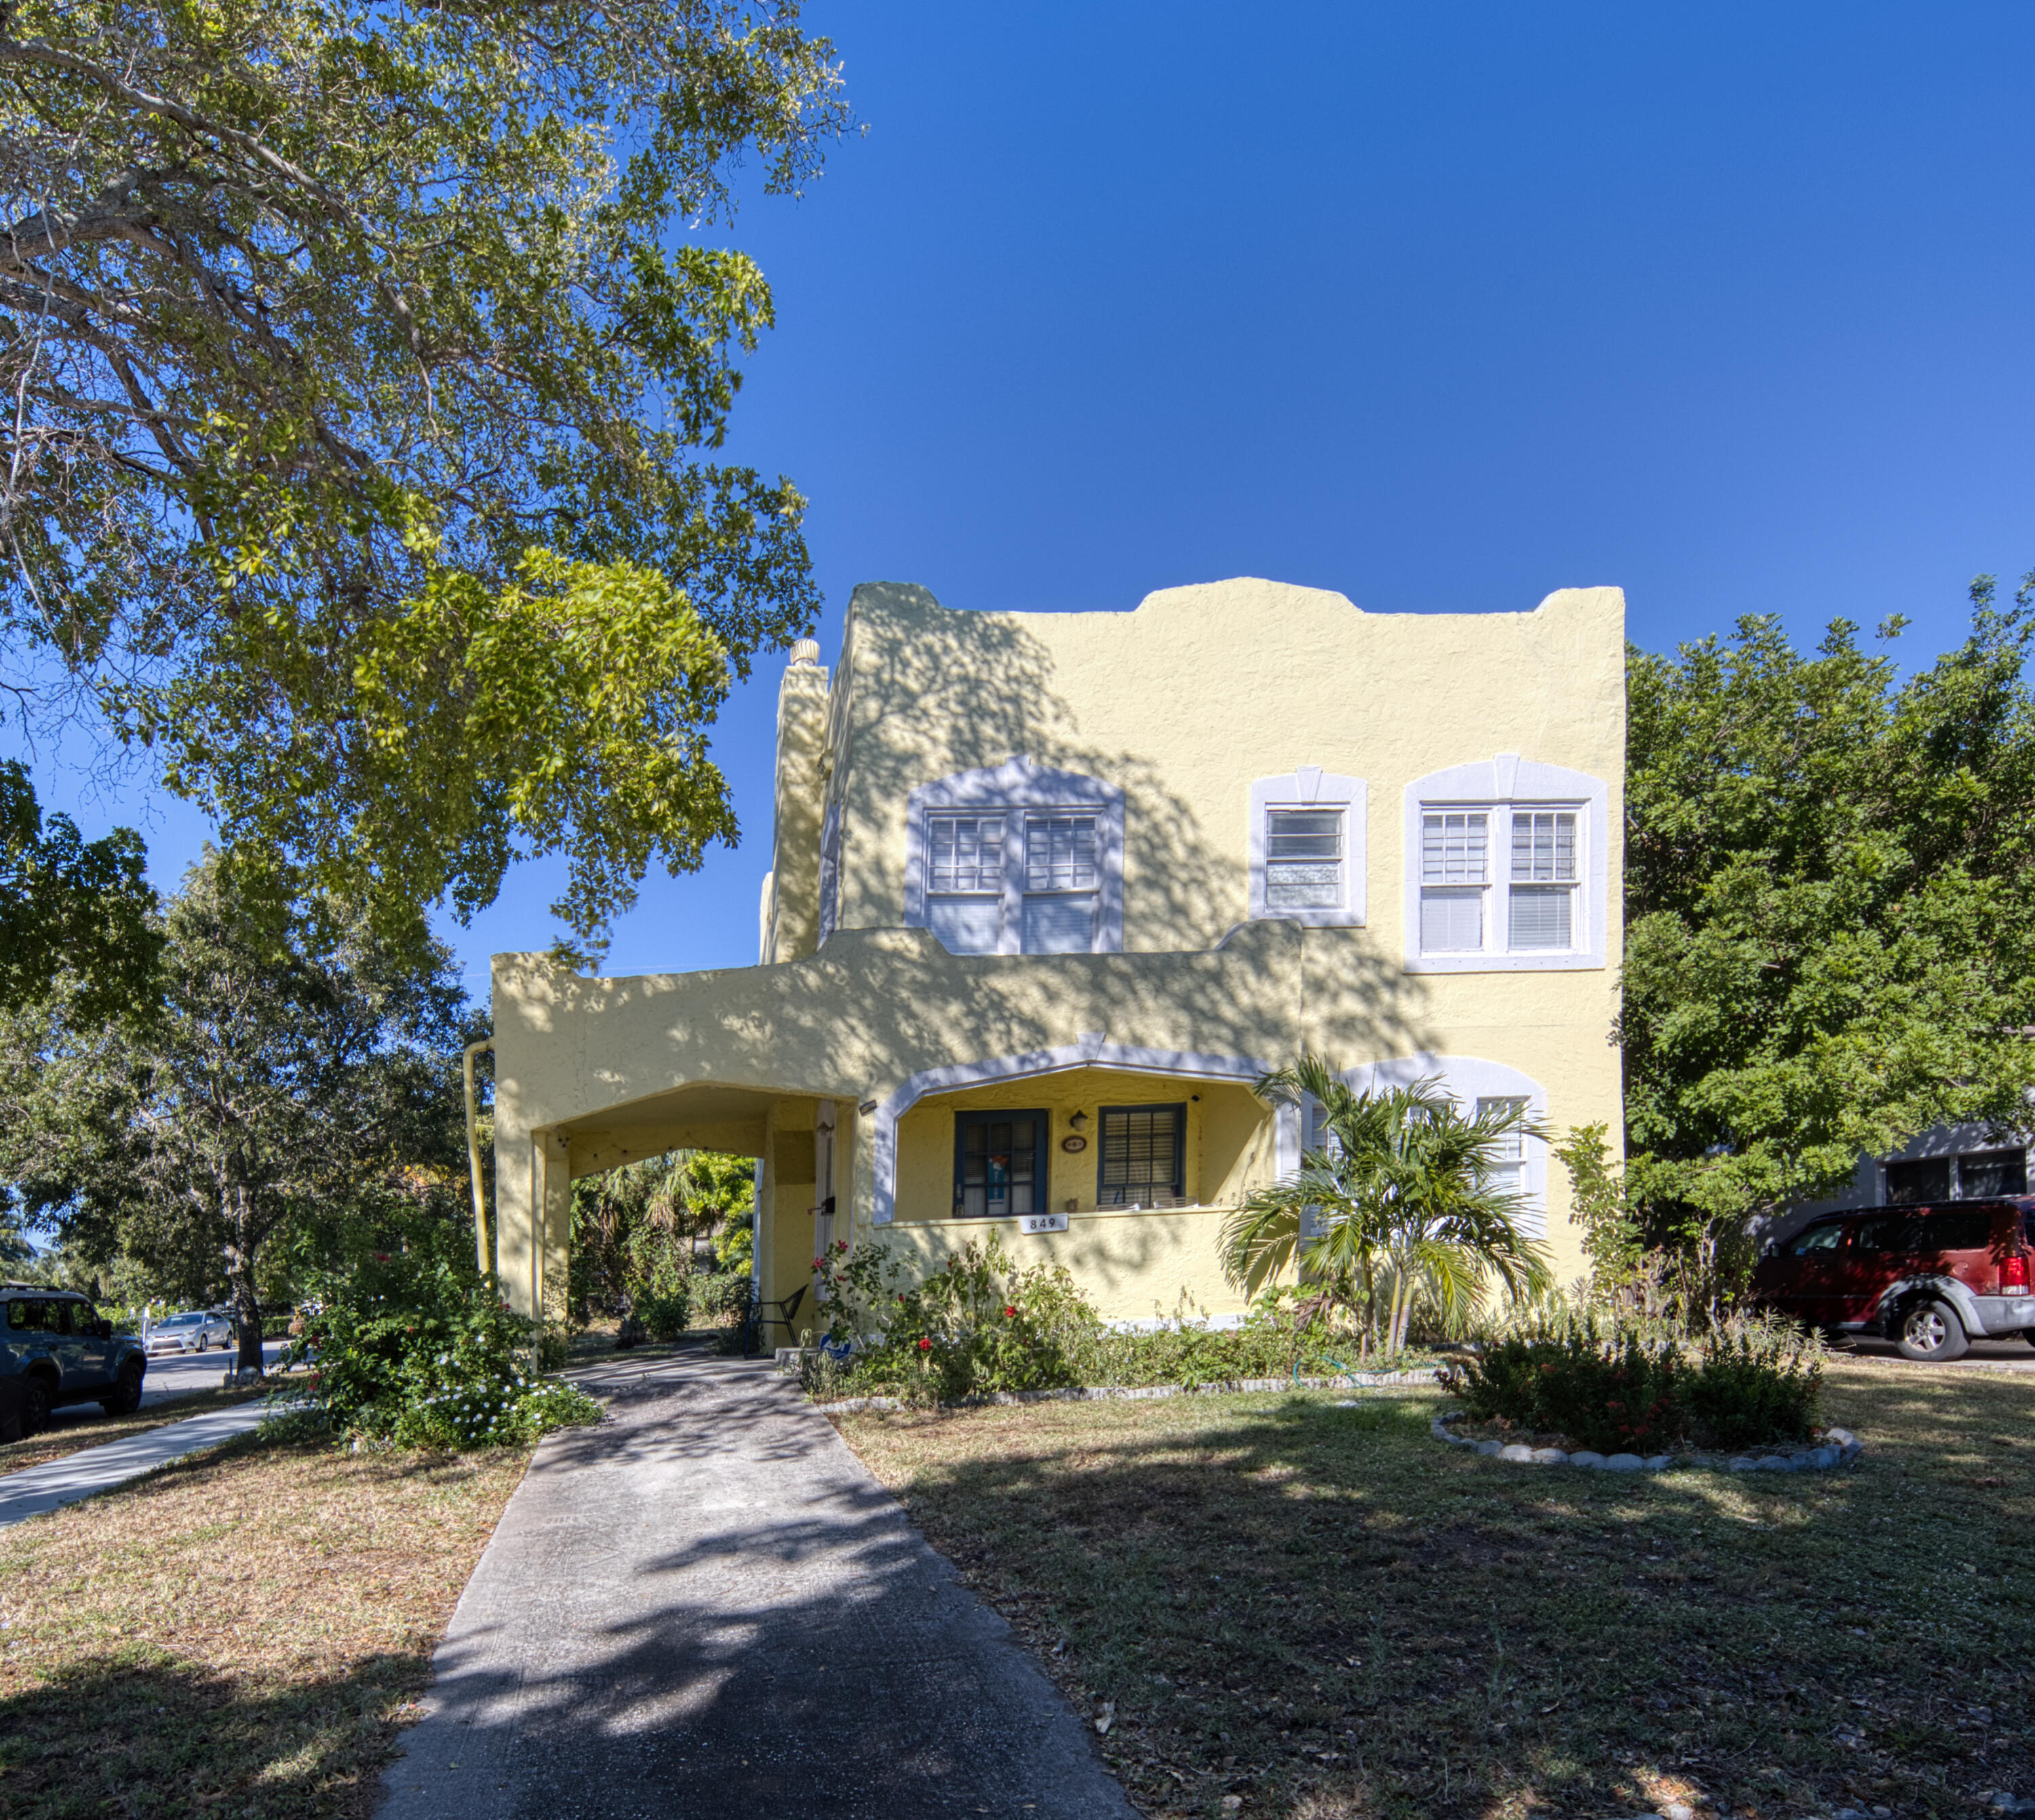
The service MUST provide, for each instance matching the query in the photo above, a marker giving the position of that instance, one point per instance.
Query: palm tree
(1403, 1194)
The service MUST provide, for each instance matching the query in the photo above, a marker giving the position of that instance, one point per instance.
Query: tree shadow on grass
(1320, 1609)
(137, 1732)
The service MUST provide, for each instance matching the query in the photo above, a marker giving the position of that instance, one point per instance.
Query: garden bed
(1827, 1448)
(1105, 1393)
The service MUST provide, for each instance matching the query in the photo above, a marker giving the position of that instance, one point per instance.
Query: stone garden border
(1840, 1447)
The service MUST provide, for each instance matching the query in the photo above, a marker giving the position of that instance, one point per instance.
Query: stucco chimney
(802, 719)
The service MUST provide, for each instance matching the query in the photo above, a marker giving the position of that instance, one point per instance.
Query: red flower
(1011, 1313)
(841, 1244)
(819, 1263)
(925, 1345)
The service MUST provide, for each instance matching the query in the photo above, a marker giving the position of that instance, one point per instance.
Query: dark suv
(54, 1349)
(1933, 1279)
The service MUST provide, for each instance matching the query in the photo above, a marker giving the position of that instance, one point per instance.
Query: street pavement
(707, 1607)
(35, 1489)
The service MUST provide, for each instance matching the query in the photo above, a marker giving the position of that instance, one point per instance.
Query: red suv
(1933, 1279)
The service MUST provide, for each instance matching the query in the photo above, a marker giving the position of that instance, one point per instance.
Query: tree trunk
(246, 1306)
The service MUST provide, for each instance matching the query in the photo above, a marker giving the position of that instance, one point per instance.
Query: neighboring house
(1050, 891)
(1946, 1163)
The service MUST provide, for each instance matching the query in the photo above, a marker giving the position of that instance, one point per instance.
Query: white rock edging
(1839, 1448)
(1106, 1393)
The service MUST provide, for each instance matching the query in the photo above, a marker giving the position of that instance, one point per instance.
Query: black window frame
(1105, 1113)
(965, 1120)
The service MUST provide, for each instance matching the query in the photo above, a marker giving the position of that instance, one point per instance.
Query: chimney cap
(806, 651)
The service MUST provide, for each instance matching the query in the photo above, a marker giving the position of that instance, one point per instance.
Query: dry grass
(240, 1633)
(1320, 1610)
(77, 1430)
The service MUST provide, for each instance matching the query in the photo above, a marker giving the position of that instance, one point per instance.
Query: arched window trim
(1506, 783)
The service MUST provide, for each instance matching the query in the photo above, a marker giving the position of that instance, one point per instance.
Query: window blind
(1142, 1162)
(1454, 847)
(1542, 916)
(1543, 845)
(1451, 918)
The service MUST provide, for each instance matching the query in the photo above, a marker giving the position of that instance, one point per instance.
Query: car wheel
(126, 1397)
(38, 1397)
(1932, 1332)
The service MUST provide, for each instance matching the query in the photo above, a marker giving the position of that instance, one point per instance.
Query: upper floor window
(1505, 868)
(1306, 848)
(1017, 860)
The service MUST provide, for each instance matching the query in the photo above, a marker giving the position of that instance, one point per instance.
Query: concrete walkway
(35, 1489)
(707, 1608)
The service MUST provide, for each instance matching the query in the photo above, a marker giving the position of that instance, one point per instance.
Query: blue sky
(1442, 307)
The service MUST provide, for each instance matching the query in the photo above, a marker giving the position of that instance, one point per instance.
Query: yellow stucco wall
(1182, 703)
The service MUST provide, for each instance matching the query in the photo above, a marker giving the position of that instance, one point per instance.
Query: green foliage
(634, 1228)
(979, 1324)
(71, 906)
(1617, 1390)
(366, 362)
(666, 1312)
(278, 1085)
(1612, 1242)
(1829, 941)
(1400, 1202)
(416, 1350)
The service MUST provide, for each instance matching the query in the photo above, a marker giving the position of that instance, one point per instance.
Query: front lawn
(239, 1635)
(1319, 1609)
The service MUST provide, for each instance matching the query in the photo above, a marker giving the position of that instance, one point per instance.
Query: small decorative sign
(1074, 1143)
(1042, 1222)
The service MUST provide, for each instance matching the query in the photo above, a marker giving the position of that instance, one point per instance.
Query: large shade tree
(1830, 936)
(364, 365)
(274, 1080)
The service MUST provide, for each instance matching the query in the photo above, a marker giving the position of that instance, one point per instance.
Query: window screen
(1543, 846)
(1303, 859)
(998, 1168)
(965, 853)
(1924, 1179)
(1984, 1173)
(1143, 1162)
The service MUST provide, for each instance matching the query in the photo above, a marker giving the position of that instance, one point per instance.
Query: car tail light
(2013, 1275)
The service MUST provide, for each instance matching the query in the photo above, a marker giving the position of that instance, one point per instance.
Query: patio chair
(759, 1321)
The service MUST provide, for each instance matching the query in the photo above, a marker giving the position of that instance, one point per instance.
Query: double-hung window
(1543, 878)
(999, 1164)
(1143, 1162)
(1017, 860)
(964, 881)
(1306, 845)
(1062, 879)
(1455, 878)
(1508, 1169)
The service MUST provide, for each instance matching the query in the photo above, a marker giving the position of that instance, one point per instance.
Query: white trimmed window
(1017, 860)
(1306, 845)
(1510, 1172)
(1515, 880)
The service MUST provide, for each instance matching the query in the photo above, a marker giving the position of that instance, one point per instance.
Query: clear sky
(1442, 307)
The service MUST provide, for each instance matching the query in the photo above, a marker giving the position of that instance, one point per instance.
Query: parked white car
(192, 1332)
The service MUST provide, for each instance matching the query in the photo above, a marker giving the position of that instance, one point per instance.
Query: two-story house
(1050, 891)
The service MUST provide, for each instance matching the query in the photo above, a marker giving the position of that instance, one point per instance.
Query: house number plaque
(1075, 1141)
(1042, 1223)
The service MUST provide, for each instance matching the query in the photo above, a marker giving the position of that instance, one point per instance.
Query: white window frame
(1499, 787)
(1018, 788)
(1310, 788)
(1468, 1080)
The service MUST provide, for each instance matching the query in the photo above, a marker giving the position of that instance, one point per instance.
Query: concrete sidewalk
(707, 1607)
(35, 1489)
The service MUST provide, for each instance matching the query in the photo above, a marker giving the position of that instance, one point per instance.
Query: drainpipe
(483, 1249)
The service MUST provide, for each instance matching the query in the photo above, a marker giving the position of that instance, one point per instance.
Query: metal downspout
(484, 1249)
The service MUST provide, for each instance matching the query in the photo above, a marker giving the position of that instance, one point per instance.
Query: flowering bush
(1742, 1385)
(419, 1353)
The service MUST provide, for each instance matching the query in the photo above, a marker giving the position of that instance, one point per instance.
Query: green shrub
(665, 1311)
(419, 1353)
(721, 1297)
(1749, 1385)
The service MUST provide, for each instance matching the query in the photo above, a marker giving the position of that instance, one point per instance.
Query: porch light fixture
(1078, 1120)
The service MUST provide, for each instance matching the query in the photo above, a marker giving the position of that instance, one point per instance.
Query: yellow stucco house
(1050, 890)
